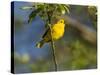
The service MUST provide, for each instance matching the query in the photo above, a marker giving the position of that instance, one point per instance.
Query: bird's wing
(45, 33)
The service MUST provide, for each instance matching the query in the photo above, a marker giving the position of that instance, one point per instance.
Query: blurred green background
(73, 52)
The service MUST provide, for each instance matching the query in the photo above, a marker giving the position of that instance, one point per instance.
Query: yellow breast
(57, 31)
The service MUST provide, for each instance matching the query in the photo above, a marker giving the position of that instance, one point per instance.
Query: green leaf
(66, 8)
(92, 10)
(26, 8)
(62, 9)
(33, 14)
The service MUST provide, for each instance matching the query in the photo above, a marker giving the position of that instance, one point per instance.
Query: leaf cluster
(43, 10)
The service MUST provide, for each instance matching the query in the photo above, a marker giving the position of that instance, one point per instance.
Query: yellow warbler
(57, 32)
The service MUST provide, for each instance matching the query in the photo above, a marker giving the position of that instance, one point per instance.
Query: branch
(53, 48)
(52, 42)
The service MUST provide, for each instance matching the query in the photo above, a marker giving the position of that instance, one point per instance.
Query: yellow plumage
(57, 32)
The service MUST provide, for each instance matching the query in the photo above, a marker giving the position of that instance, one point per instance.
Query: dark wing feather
(45, 33)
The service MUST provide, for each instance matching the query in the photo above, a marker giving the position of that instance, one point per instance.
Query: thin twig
(52, 41)
(53, 48)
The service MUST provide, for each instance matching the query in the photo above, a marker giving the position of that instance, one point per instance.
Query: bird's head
(61, 21)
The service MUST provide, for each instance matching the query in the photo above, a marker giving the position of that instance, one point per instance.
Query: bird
(57, 32)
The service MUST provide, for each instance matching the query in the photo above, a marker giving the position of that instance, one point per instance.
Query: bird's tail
(40, 44)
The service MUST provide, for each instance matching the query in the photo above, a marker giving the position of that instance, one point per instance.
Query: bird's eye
(61, 21)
